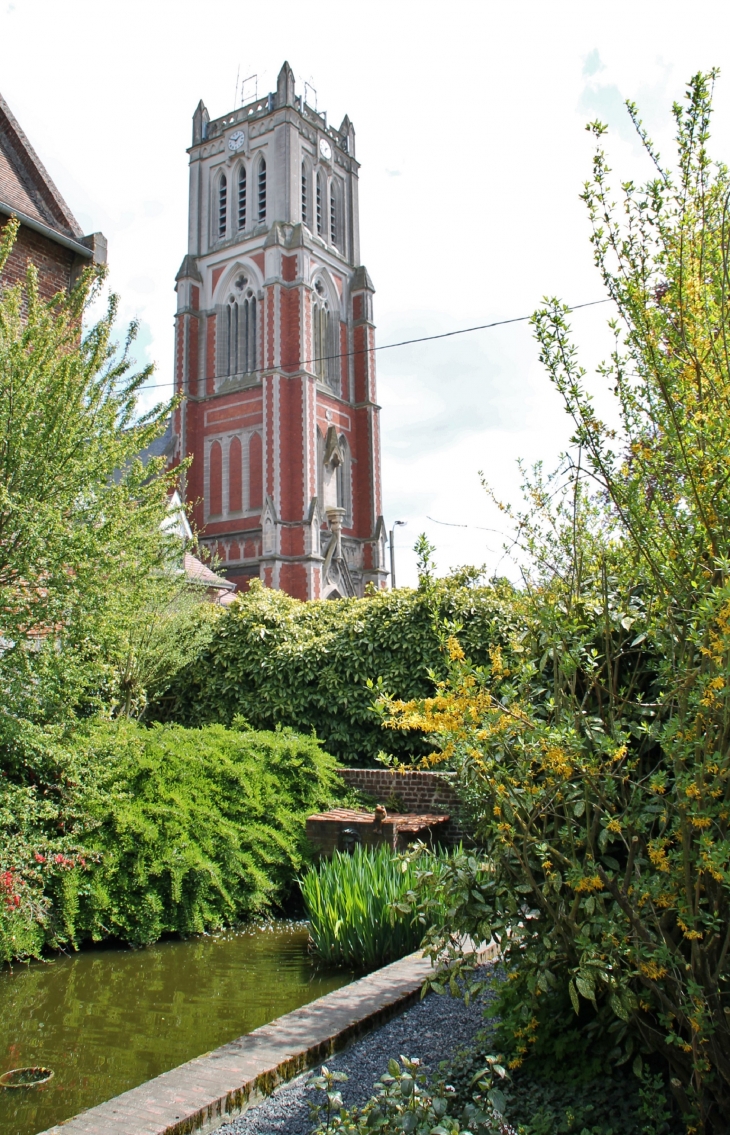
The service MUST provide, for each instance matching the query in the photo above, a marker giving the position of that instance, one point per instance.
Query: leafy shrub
(131, 832)
(352, 906)
(596, 751)
(407, 1100)
(319, 665)
(548, 1096)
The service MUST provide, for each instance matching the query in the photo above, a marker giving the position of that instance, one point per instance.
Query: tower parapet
(274, 340)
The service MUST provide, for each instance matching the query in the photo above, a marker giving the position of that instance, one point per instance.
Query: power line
(299, 363)
(451, 524)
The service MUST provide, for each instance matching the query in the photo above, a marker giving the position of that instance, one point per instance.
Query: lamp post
(396, 524)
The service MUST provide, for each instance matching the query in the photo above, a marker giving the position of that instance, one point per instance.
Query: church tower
(274, 339)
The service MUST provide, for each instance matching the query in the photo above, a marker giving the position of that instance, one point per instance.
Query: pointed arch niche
(215, 480)
(234, 475)
(255, 472)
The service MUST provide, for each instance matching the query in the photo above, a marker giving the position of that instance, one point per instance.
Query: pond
(108, 1019)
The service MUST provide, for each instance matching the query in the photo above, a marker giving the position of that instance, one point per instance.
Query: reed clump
(352, 903)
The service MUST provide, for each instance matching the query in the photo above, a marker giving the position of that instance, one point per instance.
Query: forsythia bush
(117, 830)
(595, 751)
(319, 665)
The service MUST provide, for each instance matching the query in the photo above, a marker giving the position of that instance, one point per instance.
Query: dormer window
(242, 197)
(222, 205)
(262, 190)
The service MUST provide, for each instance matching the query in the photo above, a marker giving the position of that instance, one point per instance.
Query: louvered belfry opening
(242, 198)
(222, 205)
(305, 197)
(262, 190)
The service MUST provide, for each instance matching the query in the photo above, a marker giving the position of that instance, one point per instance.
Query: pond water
(108, 1019)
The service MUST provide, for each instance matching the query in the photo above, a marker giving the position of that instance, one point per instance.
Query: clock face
(325, 149)
(237, 141)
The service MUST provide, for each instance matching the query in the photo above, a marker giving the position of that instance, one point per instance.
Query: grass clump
(352, 905)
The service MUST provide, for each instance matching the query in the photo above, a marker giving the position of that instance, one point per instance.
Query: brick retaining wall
(411, 791)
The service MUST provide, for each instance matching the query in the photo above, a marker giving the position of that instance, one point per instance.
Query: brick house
(273, 352)
(49, 234)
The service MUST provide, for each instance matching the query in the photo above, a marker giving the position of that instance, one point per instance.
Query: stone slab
(213, 1089)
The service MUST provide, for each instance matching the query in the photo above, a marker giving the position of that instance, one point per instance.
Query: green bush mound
(117, 830)
(319, 665)
(351, 903)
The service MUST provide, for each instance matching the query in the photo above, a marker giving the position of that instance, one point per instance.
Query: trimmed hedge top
(319, 665)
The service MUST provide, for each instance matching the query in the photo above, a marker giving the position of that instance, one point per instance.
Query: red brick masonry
(411, 791)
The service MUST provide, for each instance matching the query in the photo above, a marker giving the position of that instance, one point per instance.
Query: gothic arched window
(235, 476)
(324, 362)
(255, 472)
(320, 201)
(215, 482)
(222, 205)
(237, 331)
(305, 196)
(242, 197)
(344, 482)
(262, 190)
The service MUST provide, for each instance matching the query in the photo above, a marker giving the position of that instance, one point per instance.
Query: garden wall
(411, 791)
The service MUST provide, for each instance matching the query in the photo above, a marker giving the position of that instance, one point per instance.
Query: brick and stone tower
(274, 338)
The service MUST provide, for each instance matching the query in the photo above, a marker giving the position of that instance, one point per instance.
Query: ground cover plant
(352, 904)
(133, 832)
(595, 750)
(407, 1099)
(319, 665)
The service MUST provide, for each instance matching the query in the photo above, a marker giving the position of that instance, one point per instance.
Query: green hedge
(276, 660)
(131, 833)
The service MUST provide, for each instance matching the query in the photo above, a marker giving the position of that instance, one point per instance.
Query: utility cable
(389, 346)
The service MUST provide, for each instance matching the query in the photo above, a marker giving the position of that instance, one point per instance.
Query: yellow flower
(652, 970)
(456, 654)
(591, 883)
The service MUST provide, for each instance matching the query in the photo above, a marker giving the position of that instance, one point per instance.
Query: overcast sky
(470, 130)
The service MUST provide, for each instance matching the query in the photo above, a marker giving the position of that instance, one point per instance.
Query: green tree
(87, 567)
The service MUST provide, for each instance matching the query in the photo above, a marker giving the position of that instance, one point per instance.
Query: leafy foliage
(596, 750)
(319, 665)
(87, 559)
(132, 832)
(407, 1100)
(352, 907)
(557, 1091)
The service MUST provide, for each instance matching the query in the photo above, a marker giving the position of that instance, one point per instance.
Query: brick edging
(213, 1089)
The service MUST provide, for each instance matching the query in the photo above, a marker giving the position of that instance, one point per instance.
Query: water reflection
(106, 1020)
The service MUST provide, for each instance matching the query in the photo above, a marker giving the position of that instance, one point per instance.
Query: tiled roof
(197, 571)
(25, 184)
(405, 822)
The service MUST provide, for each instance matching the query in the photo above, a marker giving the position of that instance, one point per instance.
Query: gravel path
(430, 1030)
